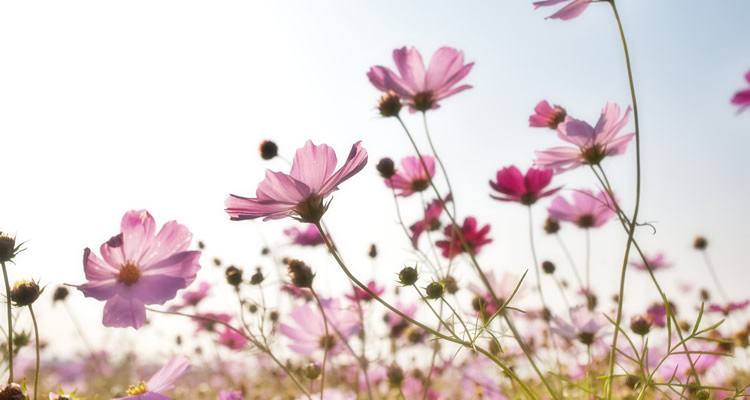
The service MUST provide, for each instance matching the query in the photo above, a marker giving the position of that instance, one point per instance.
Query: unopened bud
(7, 247)
(61, 293)
(386, 167)
(408, 276)
(24, 293)
(435, 290)
(301, 275)
(233, 275)
(640, 325)
(551, 225)
(395, 376)
(268, 150)
(700, 243)
(548, 267)
(389, 104)
(451, 286)
(312, 371)
(257, 278)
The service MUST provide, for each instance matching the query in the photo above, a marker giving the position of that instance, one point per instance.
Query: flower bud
(389, 104)
(703, 394)
(548, 267)
(301, 275)
(24, 293)
(373, 251)
(551, 225)
(234, 276)
(61, 293)
(11, 391)
(435, 290)
(395, 376)
(408, 276)
(450, 284)
(7, 247)
(311, 371)
(268, 150)
(640, 325)
(257, 278)
(700, 243)
(386, 167)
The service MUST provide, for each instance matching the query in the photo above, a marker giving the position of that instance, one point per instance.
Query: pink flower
(139, 267)
(210, 326)
(475, 238)
(657, 314)
(422, 89)
(297, 293)
(364, 296)
(308, 237)
(230, 395)
(232, 339)
(412, 177)
(587, 210)
(593, 144)
(161, 381)
(742, 98)
(523, 189)
(572, 10)
(431, 220)
(478, 380)
(308, 333)
(503, 289)
(726, 309)
(192, 298)
(656, 263)
(300, 193)
(585, 326)
(546, 116)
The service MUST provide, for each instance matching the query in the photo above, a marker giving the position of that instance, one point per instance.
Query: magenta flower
(584, 326)
(546, 116)
(726, 309)
(230, 395)
(476, 238)
(523, 189)
(308, 237)
(308, 333)
(422, 89)
(300, 193)
(139, 267)
(587, 210)
(192, 298)
(412, 177)
(593, 144)
(232, 339)
(364, 296)
(742, 98)
(656, 263)
(161, 381)
(209, 324)
(431, 220)
(570, 11)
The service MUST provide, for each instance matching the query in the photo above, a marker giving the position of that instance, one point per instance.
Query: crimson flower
(742, 98)
(475, 238)
(431, 220)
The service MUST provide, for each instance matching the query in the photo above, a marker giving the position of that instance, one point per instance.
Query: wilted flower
(475, 238)
(139, 267)
(422, 90)
(8, 247)
(523, 189)
(300, 193)
(161, 381)
(412, 177)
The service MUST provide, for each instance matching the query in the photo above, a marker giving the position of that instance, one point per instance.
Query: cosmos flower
(210, 326)
(726, 309)
(475, 238)
(478, 381)
(364, 296)
(431, 220)
(308, 332)
(742, 98)
(546, 116)
(593, 144)
(300, 193)
(587, 210)
(139, 267)
(502, 288)
(411, 177)
(310, 236)
(570, 11)
(232, 339)
(422, 90)
(584, 326)
(656, 263)
(161, 381)
(523, 189)
(192, 298)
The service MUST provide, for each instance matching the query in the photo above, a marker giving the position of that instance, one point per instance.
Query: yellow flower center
(129, 274)
(139, 388)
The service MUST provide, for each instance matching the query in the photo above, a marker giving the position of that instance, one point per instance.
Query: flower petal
(313, 165)
(121, 312)
(164, 378)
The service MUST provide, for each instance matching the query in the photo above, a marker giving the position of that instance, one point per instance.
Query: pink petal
(172, 238)
(451, 92)
(355, 161)
(537, 179)
(182, 265)
(547, 3)
(164, 378)
(313, 165)
(411, 67)
(120, 312)
(138, 228)
(376, 75)
(445, 63)
(619, 145)
(240, 208)
(558, 158)
(571, 11)
(278, 187)
(96, 269)
(576, 132)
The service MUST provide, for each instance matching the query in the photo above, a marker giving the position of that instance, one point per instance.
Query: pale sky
(110, 106)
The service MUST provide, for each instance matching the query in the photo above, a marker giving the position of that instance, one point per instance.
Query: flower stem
(570, 260)
(325, 342)
(36, 340)
(440, 162)
(10, 326)
(631, 231)
(714, 276)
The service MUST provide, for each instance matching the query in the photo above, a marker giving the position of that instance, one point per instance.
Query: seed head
(24, 293)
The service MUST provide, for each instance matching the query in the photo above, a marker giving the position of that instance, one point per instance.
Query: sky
(110, 106)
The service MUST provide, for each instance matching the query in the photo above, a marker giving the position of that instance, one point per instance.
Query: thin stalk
(536, 262)
(435, 350)
(570, 260)
(714, 276)
(325, 342)
(439, 316)
(440, 162)
(610, 376)
(36, 339)
(453, 310)
(10, 326)
(588, 260)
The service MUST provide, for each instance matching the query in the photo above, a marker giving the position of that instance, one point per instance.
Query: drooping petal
(313, 165)
(165, 377)
(121, 312)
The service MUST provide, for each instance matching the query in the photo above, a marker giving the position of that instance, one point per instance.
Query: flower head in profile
(570, 11)
(161, 381)
(525, 189)
(309, 236)
(412, 176)
(584, 325)
(547, 116)
(364, 296)
(657, 262)
(139, 267)
(586, 211)
(475, 238)
(729, 307)
(300, 193)
(742, 98)
(431, 220)
(592, 144)
(422, 89)
(308, 333)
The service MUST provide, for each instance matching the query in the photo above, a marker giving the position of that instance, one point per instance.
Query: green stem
(10, 326)
(36, 339)
(610, 376)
